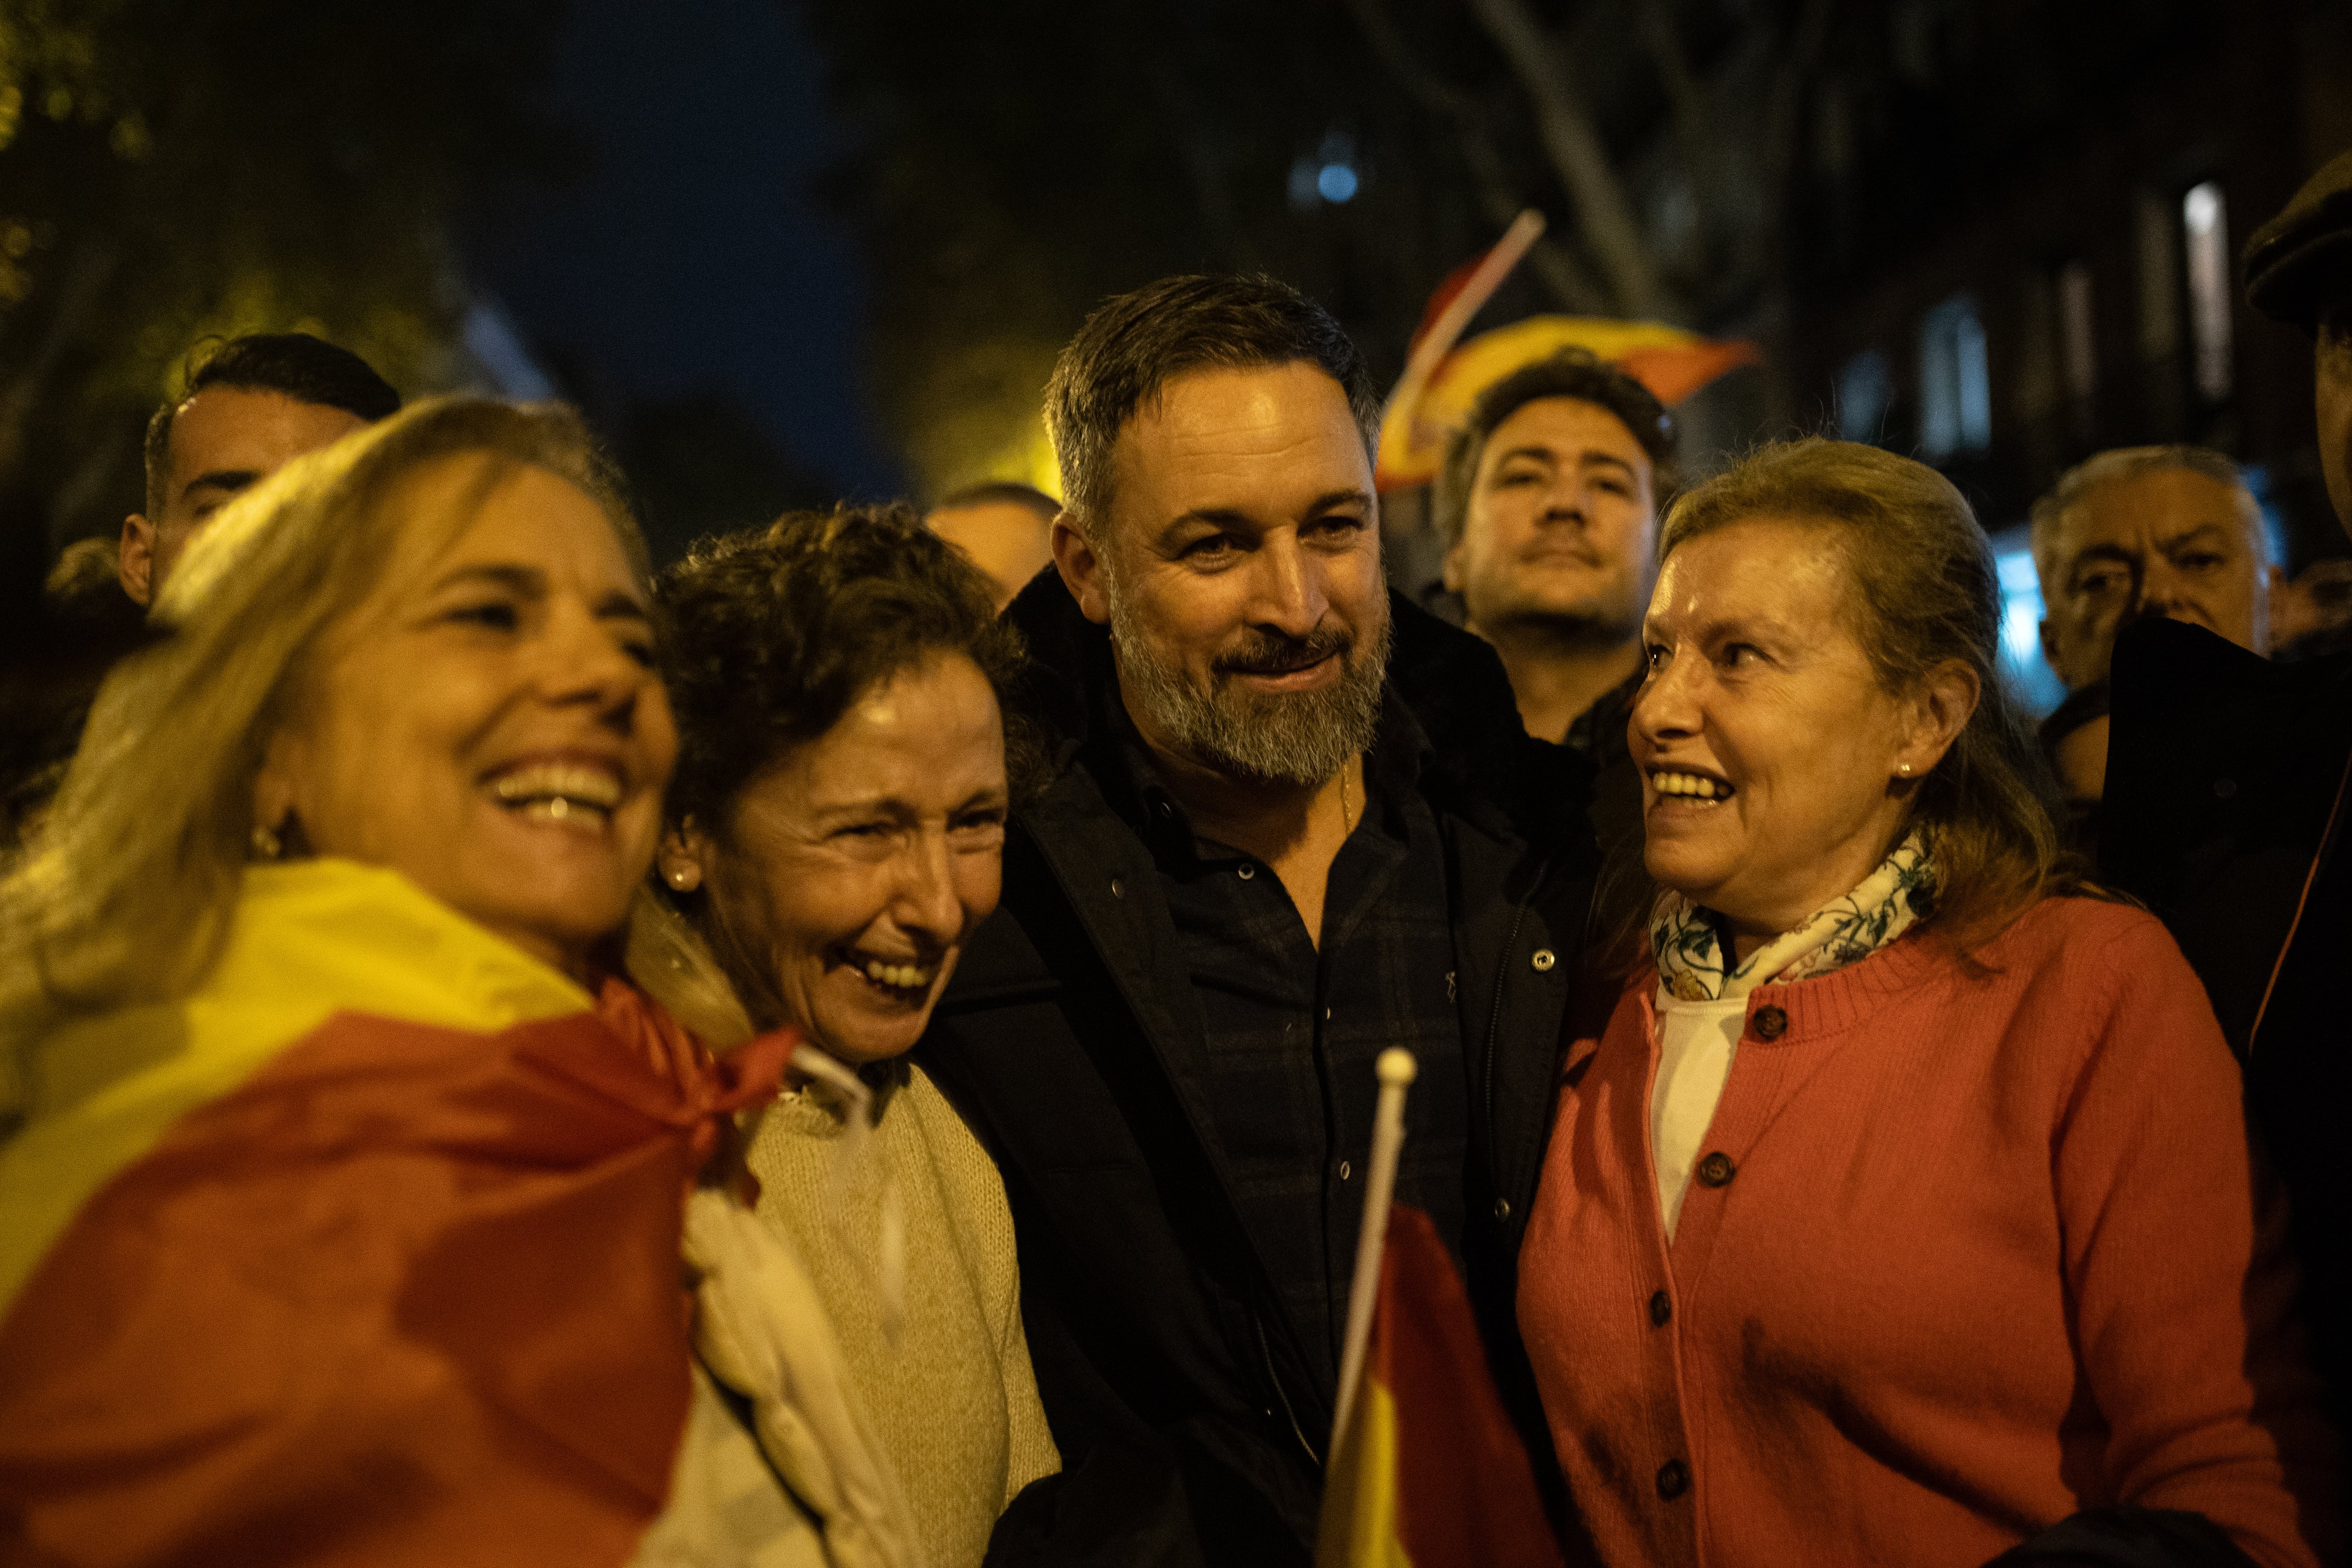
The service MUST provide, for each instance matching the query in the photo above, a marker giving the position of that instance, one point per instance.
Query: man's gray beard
(1302, 737)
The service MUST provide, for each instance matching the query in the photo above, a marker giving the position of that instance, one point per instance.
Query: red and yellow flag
(1671, 362)
(368, 1251)
(1430, 1472)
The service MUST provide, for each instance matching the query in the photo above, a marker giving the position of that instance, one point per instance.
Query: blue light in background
(1336, 182)
(2037, 686)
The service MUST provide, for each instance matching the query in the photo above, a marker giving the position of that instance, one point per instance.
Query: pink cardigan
(1962, 1257)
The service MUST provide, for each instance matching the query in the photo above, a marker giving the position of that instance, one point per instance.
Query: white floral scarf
(1689, 941)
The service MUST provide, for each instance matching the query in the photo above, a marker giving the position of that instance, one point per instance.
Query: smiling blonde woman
(1904, 1211)
(340, 1217)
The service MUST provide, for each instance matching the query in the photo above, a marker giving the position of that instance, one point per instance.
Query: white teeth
(556, 791)
(905, 976)
(1696, 785)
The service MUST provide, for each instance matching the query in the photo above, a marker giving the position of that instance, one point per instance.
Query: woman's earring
(265, 844)
(1903, 768)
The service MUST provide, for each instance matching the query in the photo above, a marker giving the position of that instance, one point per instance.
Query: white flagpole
(1396, 1069)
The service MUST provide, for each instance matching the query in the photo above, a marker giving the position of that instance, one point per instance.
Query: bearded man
(1290, 821)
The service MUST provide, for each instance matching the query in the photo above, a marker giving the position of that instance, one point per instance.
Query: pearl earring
(1904, 769)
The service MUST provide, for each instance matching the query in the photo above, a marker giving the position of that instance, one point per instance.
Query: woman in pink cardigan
(1903, 1213)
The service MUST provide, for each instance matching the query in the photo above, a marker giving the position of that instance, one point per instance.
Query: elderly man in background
(2142, 531)
(1549, 499)
(254, 405)
(1292, 821)
(2229, 780)
(1005, 528)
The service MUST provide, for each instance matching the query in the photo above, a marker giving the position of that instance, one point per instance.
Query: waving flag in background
(1441, 382)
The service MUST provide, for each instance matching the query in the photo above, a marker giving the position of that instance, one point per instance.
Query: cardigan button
(1661, 1307)
(1716, 1169)
(1117, 888)
(1502, 1208)
(1543, 959)
(1673, 1480)
(1771, 1023)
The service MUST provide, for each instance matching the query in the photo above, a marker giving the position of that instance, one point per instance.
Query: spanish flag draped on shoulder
(366, 1251)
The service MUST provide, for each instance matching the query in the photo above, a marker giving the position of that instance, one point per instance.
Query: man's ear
(1082, 570)
(684, 856)
(1946, 701)
(2050, 650)
(134, 562)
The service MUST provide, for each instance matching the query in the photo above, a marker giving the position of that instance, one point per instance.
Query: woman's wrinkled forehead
(1761, 566)
(427, 512)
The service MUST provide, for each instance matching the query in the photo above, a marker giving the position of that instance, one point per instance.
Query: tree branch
(1499, 199)
(1573, 142)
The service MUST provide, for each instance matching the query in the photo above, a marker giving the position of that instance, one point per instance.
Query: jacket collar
(1481, 765)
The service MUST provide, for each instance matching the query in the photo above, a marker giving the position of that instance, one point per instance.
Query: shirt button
(1327, 1015)
(1661, 1307)
(1543, 960)
(1345, 1170)
(1716, 1169)
(1246, 872)
(1771, 1023)
(1502, 1208)
(2225, 788)
(1673, 1480)
(1117, 888)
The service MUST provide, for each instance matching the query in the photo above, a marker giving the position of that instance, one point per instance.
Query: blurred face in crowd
(852, 870)
(2334, 364)
(224, 440)
(1239, 569)
(1560, 527)
(489, 724)
(1771, 757)
(2171, 542)
(1007, 541)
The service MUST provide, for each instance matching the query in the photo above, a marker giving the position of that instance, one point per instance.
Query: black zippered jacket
(2228, 796)
(1190, 1427)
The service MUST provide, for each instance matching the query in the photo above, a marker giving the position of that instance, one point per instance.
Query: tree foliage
(171, 169)
(1024, 159)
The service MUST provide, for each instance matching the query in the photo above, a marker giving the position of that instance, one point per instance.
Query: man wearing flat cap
(2229, 803)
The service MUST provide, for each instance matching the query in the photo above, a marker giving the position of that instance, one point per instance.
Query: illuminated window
(1954, 381)
(2205, 244)
(1865, 386)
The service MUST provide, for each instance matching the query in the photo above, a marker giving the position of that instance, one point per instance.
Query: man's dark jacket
(2226, 811)
(1191, 1427)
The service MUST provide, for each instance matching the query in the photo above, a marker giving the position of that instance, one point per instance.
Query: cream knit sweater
(955, 1405)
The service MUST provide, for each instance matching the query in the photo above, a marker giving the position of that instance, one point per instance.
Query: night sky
(687, 255)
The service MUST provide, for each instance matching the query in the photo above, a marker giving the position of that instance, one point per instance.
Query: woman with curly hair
(836, 827)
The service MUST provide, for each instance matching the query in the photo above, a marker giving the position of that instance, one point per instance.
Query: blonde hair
(124, 894)
(1922, 591)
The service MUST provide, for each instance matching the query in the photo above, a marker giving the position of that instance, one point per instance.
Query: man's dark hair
(1571, 372)
(770, 634)
(1001, 492)
(1135, 344)
(292, 364)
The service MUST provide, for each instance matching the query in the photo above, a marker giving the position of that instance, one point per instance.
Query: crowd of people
(858, 1049)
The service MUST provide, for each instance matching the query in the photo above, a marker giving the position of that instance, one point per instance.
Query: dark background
(783, 252)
